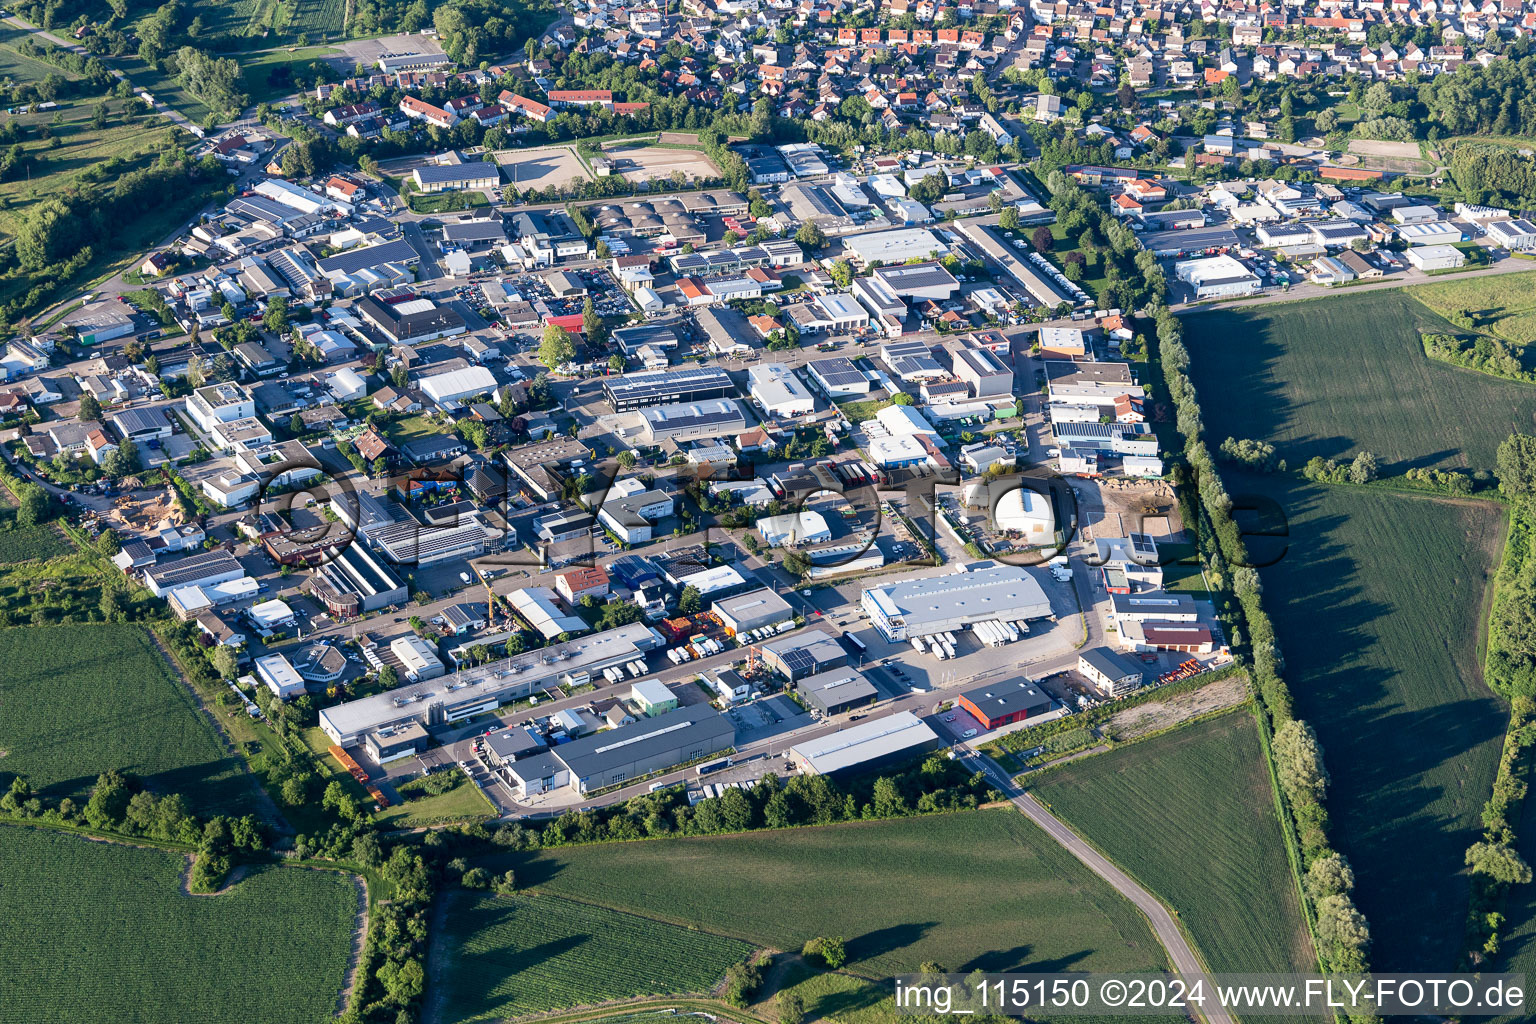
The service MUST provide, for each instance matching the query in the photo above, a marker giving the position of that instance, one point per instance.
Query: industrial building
(400, 741)
(203, 569)
(650, 745)
(680, 384)
(839, 690)
(794, 529)
(838, 376)
(894, 246)
(1111, 672)
(998, 704)
(1513, 234)
(653, 697)
(353, 581)
(1436, 257)
(936, 604)
(986, 374)
(278, 675)
(867, 746)
(1156, 605)
(418, 659)
(477, 690)
(538, 607)
(799, 657)
(411, 543)
(779, 391)
(631, 516)
(441, 178)
(1217, 277)
(691, 421)
(752, 610)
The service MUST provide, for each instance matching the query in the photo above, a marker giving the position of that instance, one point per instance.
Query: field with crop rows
(1198, 795)
(1504, 304)
(984, 889)
(1379, 602)
(80, 699)
(1333, 376)
(105, 933)
(531, 953)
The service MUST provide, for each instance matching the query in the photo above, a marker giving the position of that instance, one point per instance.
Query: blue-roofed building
(443, 178)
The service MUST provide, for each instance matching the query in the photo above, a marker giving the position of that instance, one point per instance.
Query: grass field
(1137, 804)
(1378, 603)
(1503, 305)
(81, 699)
(31, 543)
(1336, 375)
(267, 75)
(164, 87)
(464, 802)
(16, 67)
(532, 953)
(111, 936)
(975, 890)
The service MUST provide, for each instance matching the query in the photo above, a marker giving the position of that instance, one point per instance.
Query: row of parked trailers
(615, 673)
(995, 632)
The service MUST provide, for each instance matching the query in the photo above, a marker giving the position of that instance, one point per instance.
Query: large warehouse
(204, 569)
(935, 604)
(477, 690)
(1217, 277)
(354, 581)
(894, 246)
(779, 391)
(679, 384)
(632, 751)
(867, 746)
(685, 421)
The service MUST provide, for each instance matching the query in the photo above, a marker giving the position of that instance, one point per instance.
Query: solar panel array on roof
(353, 260)
(1143, 546)
(838, 371)
(640, 389)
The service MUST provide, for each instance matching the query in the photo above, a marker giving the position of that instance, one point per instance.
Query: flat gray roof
(603, 751)
(866, 741)
(1003, 592)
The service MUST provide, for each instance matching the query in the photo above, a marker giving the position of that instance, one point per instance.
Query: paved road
(1167, 930)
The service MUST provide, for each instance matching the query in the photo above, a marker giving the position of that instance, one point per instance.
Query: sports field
(532, 953)
(81, 699)
(540, 168)
(1140, 805)
(1379, 602)
(984, 889)
(106, 933)
(1336, 375)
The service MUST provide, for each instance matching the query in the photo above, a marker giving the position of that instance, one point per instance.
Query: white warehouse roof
(472, 380)
(867, 741)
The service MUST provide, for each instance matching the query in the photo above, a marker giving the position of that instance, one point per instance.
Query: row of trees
(1495, 862)
(120, 803)
(1342, 932)
(1483, 353)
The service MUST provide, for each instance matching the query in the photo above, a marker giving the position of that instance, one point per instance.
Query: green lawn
(18, 68)
(1336, 375)
(532, 953)
(1503, 305)
(111, 936)
(80, 699)
(164, 87)
(464, 802)
(1197, 796)
(1378, 603)
(983, 889)
(268, 75)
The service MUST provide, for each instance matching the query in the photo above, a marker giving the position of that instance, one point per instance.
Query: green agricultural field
(31, 543)
(164, 87)
(1138, 803)
(112, 936)
(16, 67)
(1501, 304)
(81, 699)
(1379, 602)
(532, 953)
(1333, 376)
(984, 889)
